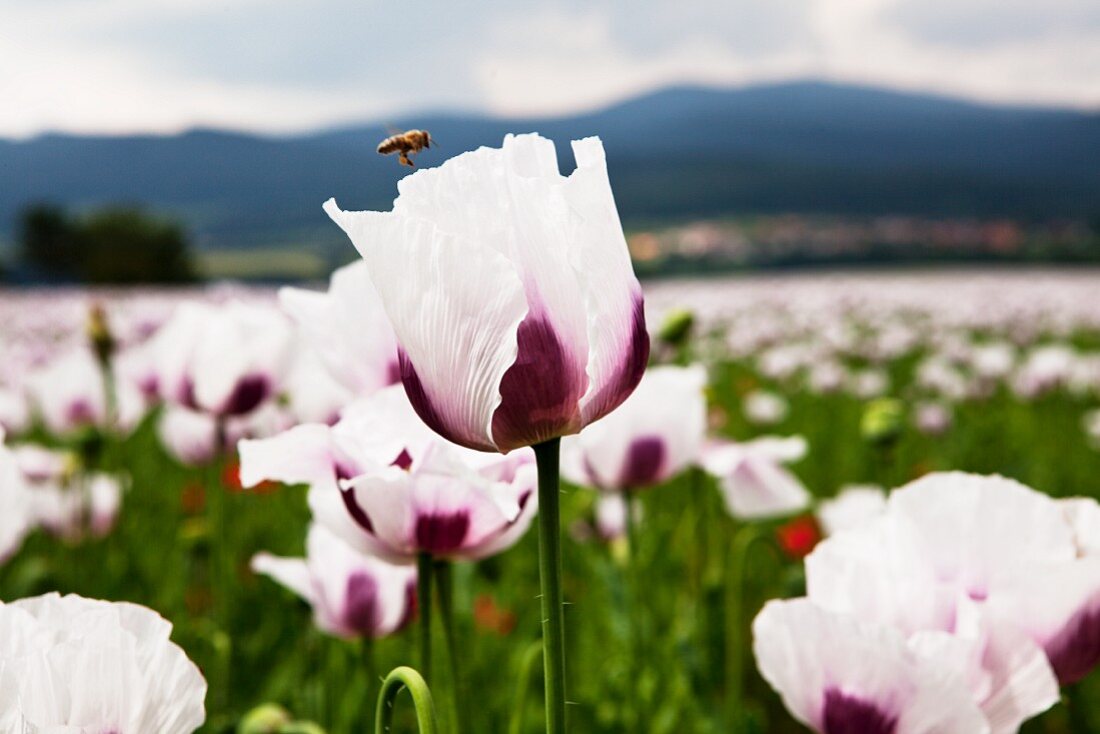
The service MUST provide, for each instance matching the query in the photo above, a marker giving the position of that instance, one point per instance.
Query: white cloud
(277, 65)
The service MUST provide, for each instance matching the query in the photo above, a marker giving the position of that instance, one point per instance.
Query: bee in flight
(405, 144)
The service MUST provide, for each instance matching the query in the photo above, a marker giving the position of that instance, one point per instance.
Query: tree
(47, 237)
(121, 245)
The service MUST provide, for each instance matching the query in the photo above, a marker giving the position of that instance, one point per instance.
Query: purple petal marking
(443, 533)
(404, 460)
(1075, 651)
(394, 372)
(625, 378)
(362, 612)
(79, 413)
(358, 514)
(250, 391)
(844, 714)
(427, 409)
(644, 459)
(540, 393)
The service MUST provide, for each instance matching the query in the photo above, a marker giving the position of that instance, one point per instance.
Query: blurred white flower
(764, 408)
(931, 418)
(854, 505)
(190, 437)
(226, 360)
(352, 594)
(68, 393)
(752, 478)
(348, 329)
(69, 664)
(16, 504)
(868, 383)
(651, 437)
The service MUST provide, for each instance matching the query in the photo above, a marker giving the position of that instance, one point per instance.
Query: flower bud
(882, 420)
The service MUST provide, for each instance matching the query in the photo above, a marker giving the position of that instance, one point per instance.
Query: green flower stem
(553, 622)
(633, 610)
(398, 680)
(444, 584)
(424, 605)
(366, 661)
(527, 664)
(744, 540)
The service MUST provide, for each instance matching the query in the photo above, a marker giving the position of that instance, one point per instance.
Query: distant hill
(681, 152)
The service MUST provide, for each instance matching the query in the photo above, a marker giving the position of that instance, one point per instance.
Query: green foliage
(115, 245)
(185, 539)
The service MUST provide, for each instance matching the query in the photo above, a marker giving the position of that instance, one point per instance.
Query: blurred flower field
(852, 380)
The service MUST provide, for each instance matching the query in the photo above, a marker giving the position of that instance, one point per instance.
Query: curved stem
(743, 541)
(424, 602)
(526, 666)
(553, 622)
(398, 680)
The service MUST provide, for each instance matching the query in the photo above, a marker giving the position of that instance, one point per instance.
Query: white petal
(455, 305)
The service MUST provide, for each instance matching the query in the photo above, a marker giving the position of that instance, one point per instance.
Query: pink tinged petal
(617, 337)
(301, 455)
(455, 305)
(835, 672)
(293, 573)
(380, 504)
(349, 328)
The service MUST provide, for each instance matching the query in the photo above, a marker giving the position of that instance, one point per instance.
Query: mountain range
(678, 153)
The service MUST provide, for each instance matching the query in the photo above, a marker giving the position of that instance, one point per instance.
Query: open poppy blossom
(70, 664)
(510, 289)
(351, 594)
(388, 485)
(651, 437)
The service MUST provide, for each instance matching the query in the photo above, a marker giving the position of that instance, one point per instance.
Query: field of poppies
(843, 502)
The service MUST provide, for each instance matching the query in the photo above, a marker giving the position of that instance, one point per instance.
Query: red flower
(798, 537)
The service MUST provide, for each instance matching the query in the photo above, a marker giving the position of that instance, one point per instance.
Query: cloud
(282, 65)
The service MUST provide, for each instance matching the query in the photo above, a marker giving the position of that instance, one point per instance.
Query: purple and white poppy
(994, 563)
(226, 360)
(69, 664)
(753, 480)
(86, 505)
(190, 437)
(654, 434)
(352, 594)
(348, 328)
(840, 675)
(388, 485)
(68, 393)
(510, 288)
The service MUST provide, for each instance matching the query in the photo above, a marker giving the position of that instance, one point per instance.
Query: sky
(124, 66)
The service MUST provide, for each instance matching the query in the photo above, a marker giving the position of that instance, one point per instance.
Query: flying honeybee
(405, 144)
